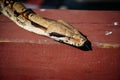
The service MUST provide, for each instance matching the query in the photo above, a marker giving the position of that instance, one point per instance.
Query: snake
(58, 30)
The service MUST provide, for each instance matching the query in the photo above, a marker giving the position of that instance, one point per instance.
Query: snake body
(56, 29)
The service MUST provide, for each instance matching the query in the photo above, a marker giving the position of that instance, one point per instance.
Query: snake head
(65, 33)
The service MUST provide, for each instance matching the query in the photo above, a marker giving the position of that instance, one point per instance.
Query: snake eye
(56, 34)
(69, 37)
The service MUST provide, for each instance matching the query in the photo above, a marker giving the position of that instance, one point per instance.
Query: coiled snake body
(55, 29)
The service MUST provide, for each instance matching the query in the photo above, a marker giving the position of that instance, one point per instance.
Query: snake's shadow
(86, 47)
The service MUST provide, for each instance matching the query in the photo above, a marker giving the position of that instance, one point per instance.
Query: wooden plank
(27, 56)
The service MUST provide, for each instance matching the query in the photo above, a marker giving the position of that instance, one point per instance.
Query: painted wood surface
(27, 56)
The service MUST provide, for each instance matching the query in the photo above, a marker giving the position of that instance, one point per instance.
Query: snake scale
(58, 30)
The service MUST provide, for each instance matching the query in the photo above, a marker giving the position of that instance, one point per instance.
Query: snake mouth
(86, 46)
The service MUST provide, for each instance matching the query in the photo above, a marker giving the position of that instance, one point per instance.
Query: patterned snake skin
(56, 29)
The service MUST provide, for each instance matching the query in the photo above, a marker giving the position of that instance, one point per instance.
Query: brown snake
(55, 29)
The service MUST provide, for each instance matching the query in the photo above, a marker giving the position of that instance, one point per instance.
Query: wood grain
(27, 56)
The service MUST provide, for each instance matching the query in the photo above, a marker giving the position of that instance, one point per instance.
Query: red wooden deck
(27, 56)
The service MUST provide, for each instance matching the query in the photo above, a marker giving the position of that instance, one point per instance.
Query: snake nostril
(66, 40)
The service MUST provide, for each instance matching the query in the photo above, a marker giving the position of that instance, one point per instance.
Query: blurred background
(74, 4)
